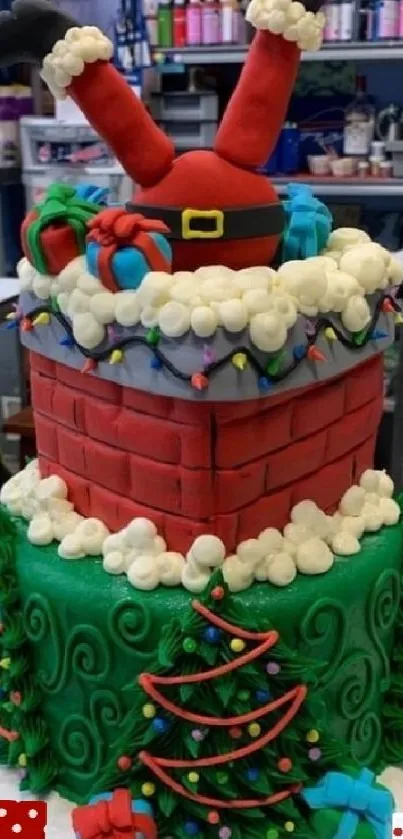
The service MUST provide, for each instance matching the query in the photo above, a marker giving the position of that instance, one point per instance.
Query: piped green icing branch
(24, 738)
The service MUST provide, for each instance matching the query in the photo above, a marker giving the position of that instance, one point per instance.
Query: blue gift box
(128, 265)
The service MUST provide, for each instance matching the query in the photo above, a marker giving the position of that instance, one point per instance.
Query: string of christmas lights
(268, 375)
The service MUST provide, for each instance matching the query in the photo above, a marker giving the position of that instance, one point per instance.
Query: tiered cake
(201, 571)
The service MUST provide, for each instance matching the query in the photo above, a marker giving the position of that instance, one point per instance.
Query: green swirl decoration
(365, 737)
(324, 628)
(80, 747)
(106, 710)
(382, 609)
(41, 624)
(359, 683)
(90, 655)
(85, 652)
(84, 738)
(129, 625)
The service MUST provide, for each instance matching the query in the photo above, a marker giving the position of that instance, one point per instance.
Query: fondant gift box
(114, 816)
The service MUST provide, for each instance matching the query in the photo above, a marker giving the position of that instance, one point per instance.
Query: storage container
(190, 135)
(182, 105)
(47, 142)
(37, 181)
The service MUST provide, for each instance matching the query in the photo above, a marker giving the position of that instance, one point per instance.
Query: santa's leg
(256, 112)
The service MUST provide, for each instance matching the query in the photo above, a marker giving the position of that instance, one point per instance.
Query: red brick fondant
(225, 468)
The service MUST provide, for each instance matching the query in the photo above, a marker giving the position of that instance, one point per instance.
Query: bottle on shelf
(179, 23)
(385, 20)
(151, 18)
(210, 22)
(193, 23)
(165, 23)
(347, 9)
(332, 11)
(359, 123)
(227, 21)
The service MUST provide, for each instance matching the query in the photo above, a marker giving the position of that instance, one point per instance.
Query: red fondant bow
(115, 228)
(112, 819)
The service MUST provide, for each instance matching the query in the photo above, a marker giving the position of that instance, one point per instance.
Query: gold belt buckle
(189, 233)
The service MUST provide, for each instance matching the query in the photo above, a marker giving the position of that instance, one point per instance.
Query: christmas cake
(200, 594)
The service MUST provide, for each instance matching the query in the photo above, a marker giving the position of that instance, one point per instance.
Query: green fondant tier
(91, 634)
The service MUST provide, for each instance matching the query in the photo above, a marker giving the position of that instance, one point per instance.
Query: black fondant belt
(228, 223)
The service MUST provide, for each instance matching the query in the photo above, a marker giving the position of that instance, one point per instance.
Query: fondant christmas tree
(225, 728)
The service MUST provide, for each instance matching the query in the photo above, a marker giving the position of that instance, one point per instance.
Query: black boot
(29, 32)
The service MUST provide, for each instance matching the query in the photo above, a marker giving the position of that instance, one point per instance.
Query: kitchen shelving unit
(351, 51)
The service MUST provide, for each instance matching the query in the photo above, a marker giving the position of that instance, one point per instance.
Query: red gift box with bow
(123, 246)
(113, 817)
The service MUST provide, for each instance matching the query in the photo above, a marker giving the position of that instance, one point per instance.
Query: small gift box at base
(112, 815)
(349, 807)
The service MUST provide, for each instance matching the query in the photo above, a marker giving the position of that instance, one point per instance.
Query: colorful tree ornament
(284, 764)
(237, 645)
(160, 725)
(212, 635)
(198, 735)
(189, 645)
(149, 711)
(218, 593)
(125, 763)
(254, 729)
(262, 696)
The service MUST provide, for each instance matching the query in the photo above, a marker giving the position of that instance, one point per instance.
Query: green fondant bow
(60, 205)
